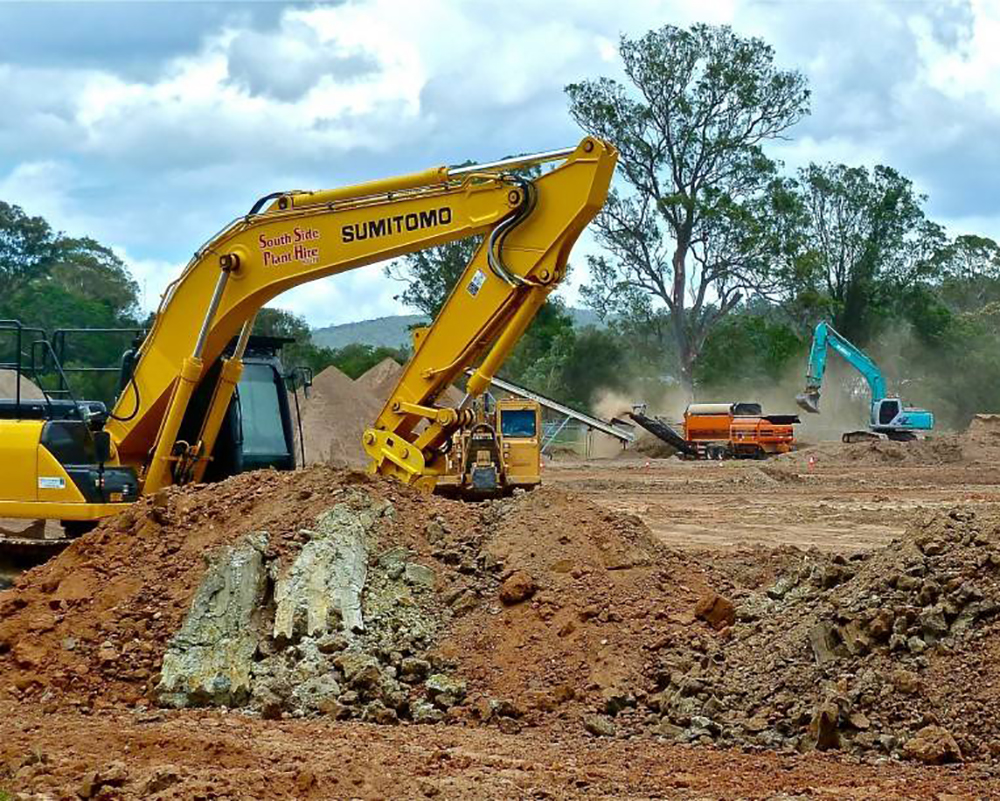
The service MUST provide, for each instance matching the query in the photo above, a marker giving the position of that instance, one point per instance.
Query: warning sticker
(51, 482)
(476, 283)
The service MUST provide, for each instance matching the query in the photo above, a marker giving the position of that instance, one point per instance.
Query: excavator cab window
(887, 411)
(517, 423)
(260, 412)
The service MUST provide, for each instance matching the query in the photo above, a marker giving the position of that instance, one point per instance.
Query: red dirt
(610, 596)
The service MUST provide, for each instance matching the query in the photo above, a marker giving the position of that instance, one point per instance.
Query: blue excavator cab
(888, 415)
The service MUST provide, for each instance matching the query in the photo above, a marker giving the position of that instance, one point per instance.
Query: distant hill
(393, 332)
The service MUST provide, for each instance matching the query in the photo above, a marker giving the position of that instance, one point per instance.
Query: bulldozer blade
(808, 401)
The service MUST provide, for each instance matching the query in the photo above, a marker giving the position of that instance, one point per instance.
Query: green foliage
(704, 220)
(866, 244)
(750, 349)
(577, 366)
(354, 360)
(431, 274)
(52, 282)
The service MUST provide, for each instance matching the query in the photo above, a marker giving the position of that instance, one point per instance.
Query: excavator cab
(66, 467)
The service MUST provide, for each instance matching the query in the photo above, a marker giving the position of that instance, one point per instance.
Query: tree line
(715, 260)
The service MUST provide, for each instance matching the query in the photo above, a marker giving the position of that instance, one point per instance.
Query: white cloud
(153, 161)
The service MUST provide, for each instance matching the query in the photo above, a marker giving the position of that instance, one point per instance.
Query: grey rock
(822, 638)
(780, 588)
(361, 671)
(332, 643)
(668, 731)
(419, 575)
(599, 726)
(933, 623)
(423, 712)
(323, 586)
(440, 684)
(209, 660)
(316, 693)
(413, 670)
(393, 562)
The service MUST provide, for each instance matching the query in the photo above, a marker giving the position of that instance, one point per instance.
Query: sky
(149, 126)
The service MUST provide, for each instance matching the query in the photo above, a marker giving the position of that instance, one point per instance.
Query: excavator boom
(165, 423)
(291, 238)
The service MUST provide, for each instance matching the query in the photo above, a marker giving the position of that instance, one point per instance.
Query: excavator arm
(289, 239)
(826, 337)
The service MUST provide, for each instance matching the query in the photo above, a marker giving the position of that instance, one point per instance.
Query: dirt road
(203, 755)
(833, 507)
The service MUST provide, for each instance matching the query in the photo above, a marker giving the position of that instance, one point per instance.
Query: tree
(26, 248)
(971, 273)
(353, 360)
(577, 365)
(751, 348)
(867, 243)
(430, 274)
(87, 269)
(701, 223)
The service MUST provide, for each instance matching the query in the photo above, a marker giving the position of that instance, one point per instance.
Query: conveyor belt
(660, 429)
(594, 422)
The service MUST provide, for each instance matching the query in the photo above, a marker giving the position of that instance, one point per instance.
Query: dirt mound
(936, 450)
(653, 447)
(887, 653)
(501, 611)
(981, 440)
(335, 417)
(8, 386)
(381, 379)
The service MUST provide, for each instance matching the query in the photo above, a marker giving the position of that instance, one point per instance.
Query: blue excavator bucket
(808, 401)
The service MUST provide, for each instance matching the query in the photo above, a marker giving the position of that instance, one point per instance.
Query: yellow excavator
(78, 468)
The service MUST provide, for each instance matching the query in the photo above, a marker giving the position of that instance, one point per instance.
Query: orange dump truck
(721, 430)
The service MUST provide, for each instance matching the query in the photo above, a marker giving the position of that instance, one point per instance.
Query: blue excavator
(889, 417)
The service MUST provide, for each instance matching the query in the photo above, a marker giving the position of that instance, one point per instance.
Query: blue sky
(149, 126)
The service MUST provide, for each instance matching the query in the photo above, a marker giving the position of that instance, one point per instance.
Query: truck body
(498, 452)
(723, 431)
(739, 430)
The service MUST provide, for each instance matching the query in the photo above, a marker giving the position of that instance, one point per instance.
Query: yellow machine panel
(19, 460)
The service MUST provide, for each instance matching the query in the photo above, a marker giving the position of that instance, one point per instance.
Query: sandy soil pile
(381, 379)
(8, 386)
(338, 411)
(981, 440)
(335, 417)
(941, 449)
